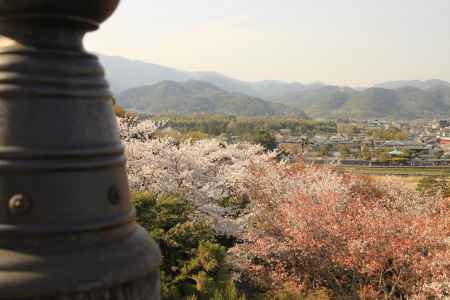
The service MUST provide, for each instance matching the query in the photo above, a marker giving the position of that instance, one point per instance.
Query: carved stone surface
(66, 222)
(143, 289)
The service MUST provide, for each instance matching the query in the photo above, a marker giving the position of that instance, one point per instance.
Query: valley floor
(398, 171)
(407, 176)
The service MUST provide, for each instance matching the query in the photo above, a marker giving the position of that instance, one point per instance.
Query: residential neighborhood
(375, 143)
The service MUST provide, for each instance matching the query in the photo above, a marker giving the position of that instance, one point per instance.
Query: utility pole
(67, 226)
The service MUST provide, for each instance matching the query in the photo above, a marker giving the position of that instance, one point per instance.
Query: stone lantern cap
(93, 12)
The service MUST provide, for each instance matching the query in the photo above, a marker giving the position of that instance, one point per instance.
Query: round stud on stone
(19, 205)
(114, 195)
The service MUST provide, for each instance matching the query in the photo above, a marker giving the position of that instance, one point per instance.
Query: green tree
(365, 153)
(383, 155)
(344, 151)
(348, 129)
(265, 139)
(325, 150)
(406, 156)
(438, 154)
(193, 260)
(388, 134)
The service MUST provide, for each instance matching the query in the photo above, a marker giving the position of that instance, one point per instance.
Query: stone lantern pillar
(67, 227)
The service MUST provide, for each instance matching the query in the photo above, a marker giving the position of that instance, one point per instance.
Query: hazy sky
(346, 42)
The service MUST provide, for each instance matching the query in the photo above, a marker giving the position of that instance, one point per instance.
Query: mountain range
(373, 103)
(199, 97)
(123, 74)
(153, 88)
(423, 85)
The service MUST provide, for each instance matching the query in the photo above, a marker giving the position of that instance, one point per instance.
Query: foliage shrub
(193, 261)
(265, 139)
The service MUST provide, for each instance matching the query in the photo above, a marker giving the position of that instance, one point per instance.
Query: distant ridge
(389, 100)
(199, 97)
(423, 85)
(403, 103)
(123, 74)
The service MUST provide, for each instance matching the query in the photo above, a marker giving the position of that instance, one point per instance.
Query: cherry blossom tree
(307, 227)
(204, 171)
(314, 228)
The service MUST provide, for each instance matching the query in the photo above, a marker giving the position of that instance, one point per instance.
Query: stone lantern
(67, 227)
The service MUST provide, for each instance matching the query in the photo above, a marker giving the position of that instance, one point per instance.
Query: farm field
(398, 171)
(408, 176)
(406, 181)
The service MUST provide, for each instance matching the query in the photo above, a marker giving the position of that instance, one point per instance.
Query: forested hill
(402, 103)
(199, 97)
